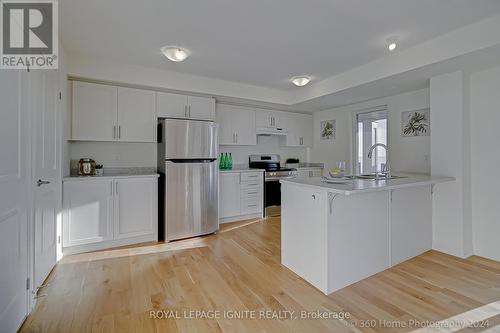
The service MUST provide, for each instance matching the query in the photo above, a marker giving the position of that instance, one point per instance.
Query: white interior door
(47, 175)
(14, 193)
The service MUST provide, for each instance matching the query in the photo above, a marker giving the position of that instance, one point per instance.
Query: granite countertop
(354, 186)
(242, 168)
(110, 173)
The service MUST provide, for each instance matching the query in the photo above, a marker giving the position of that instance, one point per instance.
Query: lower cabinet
(241, 196)
(103, 213)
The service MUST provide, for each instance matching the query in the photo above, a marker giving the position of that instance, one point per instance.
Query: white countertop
(108, 176)
(363, 186)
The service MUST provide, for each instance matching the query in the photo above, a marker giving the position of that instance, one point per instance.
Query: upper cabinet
(270, 119)
(299, 130)
(109, 113)
(236, 125)
(94, 110)
(136, 115)
(185, 107)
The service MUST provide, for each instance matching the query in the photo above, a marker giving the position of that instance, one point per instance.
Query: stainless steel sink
(381, 176)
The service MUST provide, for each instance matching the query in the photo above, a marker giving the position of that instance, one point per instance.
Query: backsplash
(265, 144)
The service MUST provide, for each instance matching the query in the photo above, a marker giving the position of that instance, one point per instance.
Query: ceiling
(260, 42)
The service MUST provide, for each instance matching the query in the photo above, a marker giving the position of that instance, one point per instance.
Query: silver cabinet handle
(185, 111)
(236, 137)
(114, 132)
(42, 182)
(111, 189)
(116, 188)
(119, 132)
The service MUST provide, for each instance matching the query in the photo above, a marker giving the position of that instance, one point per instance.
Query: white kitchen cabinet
(270, 119)
(229, 194)
(108, 113)
(135, 203)
(236, 125)
(93, 115)
(185, 107)
(202, 108)
(136, 115)
(108, 212)
(89, 212)
(240, 195)
(171, 105)
(299, 130)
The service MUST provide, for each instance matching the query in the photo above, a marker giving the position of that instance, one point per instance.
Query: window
(370, 128)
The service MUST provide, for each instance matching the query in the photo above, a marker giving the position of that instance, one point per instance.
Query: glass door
(370, 128)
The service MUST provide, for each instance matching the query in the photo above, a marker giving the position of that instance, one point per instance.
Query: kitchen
(287, 177)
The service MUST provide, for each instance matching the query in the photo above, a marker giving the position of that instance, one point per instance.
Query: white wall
(485, 157)
(115, 154)
(447, 97)
(265, 145)
(407, 154)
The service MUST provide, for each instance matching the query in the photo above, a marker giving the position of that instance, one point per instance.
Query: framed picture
(328, 129)
(416, 123)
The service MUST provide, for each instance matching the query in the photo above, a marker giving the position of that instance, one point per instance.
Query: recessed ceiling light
(175, 53)
(301, 81)
(392, 43)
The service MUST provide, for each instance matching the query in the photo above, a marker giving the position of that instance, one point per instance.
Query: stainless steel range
(272, 187)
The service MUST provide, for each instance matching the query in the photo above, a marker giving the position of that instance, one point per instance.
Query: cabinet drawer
(251, 176)
(251, 185)
(250, 192)
(251, 205)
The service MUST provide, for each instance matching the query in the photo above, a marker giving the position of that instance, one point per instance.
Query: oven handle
(272, 179)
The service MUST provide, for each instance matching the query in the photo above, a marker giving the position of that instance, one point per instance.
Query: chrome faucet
(387, 169)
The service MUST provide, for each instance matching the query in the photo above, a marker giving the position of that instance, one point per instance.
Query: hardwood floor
(239, 270)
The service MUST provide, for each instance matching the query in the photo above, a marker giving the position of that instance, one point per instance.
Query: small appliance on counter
(292, 163)
(86, 167)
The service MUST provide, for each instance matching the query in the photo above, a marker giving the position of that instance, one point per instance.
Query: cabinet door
(202, 108)
(135, 207)
(94, 110)
(293, 138)
(223, 117)
(305, 131)
(136, 115)
(229, 194)
(171, 105)
(278, 119)
(88, 212)
(263, 119)
(243, 123)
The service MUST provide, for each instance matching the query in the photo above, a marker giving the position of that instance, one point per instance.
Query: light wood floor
(239, 269)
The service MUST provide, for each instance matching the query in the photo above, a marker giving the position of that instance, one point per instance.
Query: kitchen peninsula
(335, 234)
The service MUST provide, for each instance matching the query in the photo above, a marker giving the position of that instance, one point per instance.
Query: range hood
(264, 131)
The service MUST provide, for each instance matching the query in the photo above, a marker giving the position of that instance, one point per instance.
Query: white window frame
(354, 133)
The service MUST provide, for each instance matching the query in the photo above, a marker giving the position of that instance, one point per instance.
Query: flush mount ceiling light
(175, 53)
(392, 43)
(301, 81)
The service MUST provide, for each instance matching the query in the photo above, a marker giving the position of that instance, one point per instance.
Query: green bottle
(222, 162)
(230, 161)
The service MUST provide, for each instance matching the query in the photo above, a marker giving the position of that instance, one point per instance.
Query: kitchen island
(335, 234)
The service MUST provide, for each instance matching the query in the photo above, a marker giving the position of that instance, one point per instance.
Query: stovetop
(271, 163)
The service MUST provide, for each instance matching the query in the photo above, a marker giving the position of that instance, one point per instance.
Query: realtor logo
(29, 34)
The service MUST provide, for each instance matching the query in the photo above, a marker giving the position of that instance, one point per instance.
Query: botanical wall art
(416, 123)
(328, 129)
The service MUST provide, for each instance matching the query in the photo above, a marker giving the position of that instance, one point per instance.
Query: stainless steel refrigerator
(187, 162)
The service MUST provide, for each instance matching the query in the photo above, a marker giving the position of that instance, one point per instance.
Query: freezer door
(189, 139)
(192, 199)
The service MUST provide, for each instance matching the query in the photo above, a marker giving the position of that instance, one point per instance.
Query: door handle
(42, 182)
